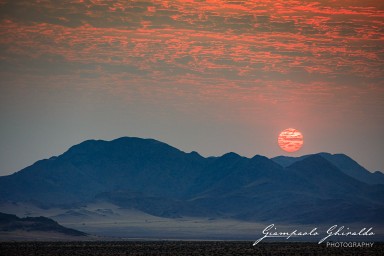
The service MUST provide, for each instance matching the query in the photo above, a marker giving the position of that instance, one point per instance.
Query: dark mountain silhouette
(341, 161)
(10, 222)
(161, 180)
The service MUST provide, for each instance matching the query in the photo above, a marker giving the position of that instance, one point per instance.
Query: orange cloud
(243, 52)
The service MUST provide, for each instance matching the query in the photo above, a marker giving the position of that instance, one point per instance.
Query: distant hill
(10, 223)
(158, 179)
(345, 164)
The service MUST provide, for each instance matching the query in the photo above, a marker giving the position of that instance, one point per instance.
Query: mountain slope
(310, 190)
(94, 167)
(10, 223)
(346, 164)
(353, 169)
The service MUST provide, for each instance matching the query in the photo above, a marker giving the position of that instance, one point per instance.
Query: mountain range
(158, 179)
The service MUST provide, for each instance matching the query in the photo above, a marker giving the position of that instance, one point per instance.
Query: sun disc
(290, 140)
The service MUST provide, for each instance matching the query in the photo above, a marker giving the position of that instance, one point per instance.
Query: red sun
(290, 140)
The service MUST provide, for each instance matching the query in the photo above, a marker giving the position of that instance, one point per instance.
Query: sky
(210, 76)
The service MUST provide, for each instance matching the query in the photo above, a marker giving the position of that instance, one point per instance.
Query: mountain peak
(256, 157)
(195, 154)
(230, 155)
(343, 162)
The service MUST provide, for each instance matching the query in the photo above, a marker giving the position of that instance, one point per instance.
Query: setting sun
(290, 140)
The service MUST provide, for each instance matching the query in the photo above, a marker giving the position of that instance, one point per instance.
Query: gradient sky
(210, 76)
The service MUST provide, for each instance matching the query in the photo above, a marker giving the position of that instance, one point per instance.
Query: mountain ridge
(343, 162)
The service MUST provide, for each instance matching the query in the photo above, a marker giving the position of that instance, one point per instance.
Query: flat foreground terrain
(175, 248)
